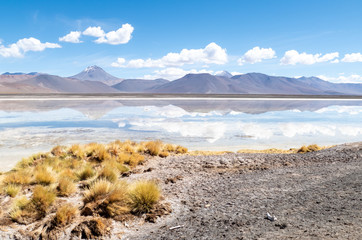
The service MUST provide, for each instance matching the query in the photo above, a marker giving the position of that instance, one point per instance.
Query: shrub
(65, 214)
(169, 148)
(42, 198)
(109, 172)
(310, 148)
(86, 173)
(66, 187)
(154, 147)
(21, 177)
(44, 175)
(12, 190)
(97, 190)
(143, 195)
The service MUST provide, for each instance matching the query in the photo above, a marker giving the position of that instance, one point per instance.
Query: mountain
(95, 73)
(224, 74)
(197, 84)
(67, 85)
(256, 83)
(139, 85)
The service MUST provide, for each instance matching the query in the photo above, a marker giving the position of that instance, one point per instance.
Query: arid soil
(315, 195)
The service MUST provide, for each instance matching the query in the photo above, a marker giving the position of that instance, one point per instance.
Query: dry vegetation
(303, 149)
(39, 185)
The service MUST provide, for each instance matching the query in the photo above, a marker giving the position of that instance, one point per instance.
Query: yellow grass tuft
(143, 196)
(310, 148)
(42, 198)
(65, 214)
(154, 147)
(66, 187)
(76, 151)
(86, 172)
(164, 154)
(109, 172)
(21, 177)
(97, 190)
(181, 150)
(59, 151)
(44, 175)
(12, 190)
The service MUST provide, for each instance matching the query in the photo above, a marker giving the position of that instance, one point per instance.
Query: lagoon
(30, 125)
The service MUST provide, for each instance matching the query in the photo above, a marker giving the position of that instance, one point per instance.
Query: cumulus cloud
(24, 45)
(212, 53)
(293, 57)
(174, 73)
(353, 57)
(72, 37)
(120, 36)
(94, 32)
(353, 78)
(256, 55)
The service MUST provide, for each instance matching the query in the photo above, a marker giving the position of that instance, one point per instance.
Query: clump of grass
(164, 154)
(143, 196)
(97, 152)
(310, 148)
(109, 172)
(18, 207)
(44, 175)
(24, 163)
(154, 147)
(86, 173)
(21, 177)
(123, 157)
(169, 148)
(117, 200)
(68, 173)
(65, 214)
(59, 151)
(181, 150)
(98, 189)
(135, 159)
(66, 187)
(76, 151)
(42, 198)
(12, 190)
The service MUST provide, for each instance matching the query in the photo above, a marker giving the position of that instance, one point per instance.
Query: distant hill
(67, 85)
(95, 73)
(139, 85)
(20, 73)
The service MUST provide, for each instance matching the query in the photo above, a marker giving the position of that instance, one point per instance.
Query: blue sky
(168, 39)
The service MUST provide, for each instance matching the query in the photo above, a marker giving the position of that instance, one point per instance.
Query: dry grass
(42, 198)
(135, 160)
(66, 187)
(12, 190)
(86, 172)
(97, 190)
(44, 175)
(109, 172)
(164, 154)
(22, 177)
(65, 214)
(59, 151)
(143, 196)
(97, 152)
(154, 147)
(181, 150)
(310, 148)
(76, 151)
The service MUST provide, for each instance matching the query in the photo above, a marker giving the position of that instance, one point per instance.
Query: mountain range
(94, 79)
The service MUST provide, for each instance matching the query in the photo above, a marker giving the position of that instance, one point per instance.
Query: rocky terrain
(315, 195)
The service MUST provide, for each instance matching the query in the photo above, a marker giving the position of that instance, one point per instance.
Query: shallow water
(33, 125)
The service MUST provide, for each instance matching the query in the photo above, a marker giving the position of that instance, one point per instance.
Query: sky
(168, 39)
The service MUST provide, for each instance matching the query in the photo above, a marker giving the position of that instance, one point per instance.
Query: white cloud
(236, 73)
(353, 57)
(292, 57)
(174, 73)
(72, 37)
(94, 32)
(256, 55)
(120, 36)
(212, 53)
(24, 45)
(353, 78)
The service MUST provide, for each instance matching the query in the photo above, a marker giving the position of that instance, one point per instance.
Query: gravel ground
(314, 196)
